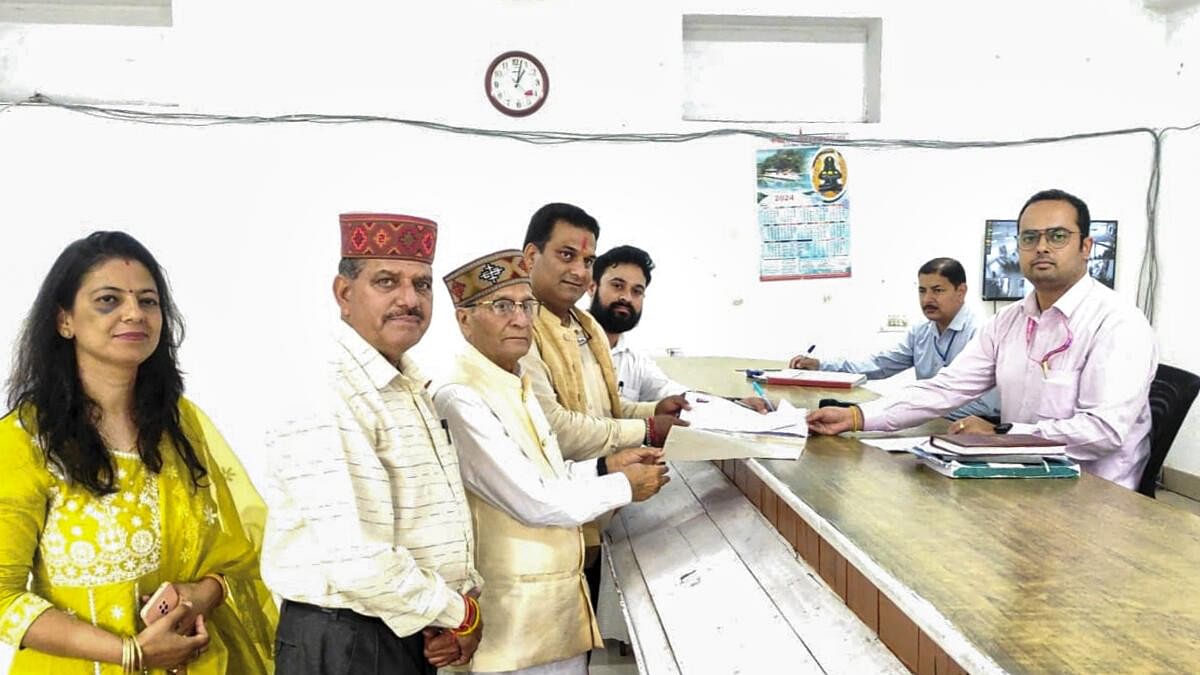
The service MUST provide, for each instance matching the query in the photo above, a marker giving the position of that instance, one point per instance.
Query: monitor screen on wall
(1002, 279)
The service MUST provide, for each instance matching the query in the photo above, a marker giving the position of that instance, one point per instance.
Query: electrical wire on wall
(1147, 276)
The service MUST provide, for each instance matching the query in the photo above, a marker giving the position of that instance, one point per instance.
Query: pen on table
(762, 393)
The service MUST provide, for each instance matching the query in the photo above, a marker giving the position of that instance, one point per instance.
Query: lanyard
(1030, 329)
(943, 355)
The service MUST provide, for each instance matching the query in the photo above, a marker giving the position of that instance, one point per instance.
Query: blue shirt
(927, 352)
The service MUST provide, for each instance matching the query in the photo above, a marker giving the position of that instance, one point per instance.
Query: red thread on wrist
(466, 615)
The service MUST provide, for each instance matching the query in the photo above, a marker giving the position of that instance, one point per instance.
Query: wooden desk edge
(924, 615)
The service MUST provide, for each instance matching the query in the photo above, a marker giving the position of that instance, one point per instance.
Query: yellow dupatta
(93, 556)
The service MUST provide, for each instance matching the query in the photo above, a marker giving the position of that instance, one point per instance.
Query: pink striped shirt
(1078, 372)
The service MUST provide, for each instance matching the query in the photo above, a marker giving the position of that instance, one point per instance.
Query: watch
(602, 466)
(516, 83)
(1003, 428)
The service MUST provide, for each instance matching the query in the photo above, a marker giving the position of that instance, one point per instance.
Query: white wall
(244, 218)
(1179, 238)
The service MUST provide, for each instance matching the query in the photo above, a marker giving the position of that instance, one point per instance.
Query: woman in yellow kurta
(112, 483)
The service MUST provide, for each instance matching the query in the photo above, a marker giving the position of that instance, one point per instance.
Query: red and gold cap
(484, 275)
(388, 235)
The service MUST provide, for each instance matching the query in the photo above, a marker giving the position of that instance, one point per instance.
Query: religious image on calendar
(803, 213)
(1002, 277)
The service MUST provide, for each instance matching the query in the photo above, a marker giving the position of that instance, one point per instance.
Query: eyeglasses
(1056, 237)
(505, 307)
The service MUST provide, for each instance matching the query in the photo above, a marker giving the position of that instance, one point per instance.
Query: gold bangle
(856, 421)
(127, 655)
(220, 579)
(139, 659)
(474, 621)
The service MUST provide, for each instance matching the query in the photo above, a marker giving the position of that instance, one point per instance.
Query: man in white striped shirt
(368, 535)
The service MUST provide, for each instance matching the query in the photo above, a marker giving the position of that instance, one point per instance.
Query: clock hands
(520, 72)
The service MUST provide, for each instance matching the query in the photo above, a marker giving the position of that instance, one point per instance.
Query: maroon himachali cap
(388, 235)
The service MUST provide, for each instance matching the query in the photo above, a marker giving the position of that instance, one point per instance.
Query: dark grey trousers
(318, 641)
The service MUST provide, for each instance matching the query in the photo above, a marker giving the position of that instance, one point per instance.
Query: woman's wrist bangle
(220, 579)
(132, 660)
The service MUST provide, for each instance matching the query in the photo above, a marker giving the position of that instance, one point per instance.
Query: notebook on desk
(811, 378)
(1045, 467)
(969, 445)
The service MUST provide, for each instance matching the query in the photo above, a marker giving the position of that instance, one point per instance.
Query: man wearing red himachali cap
(529, 504)
(368, 534)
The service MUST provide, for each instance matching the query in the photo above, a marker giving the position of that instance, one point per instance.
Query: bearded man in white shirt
(528, 503)
(620, 278)
(368, 535)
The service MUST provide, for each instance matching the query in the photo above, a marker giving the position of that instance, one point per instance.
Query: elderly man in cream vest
(528, 504)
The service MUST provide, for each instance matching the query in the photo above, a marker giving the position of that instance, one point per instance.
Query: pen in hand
(800, 360)
(758, 389)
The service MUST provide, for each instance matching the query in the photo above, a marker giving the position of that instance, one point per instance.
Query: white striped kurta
(366, 509)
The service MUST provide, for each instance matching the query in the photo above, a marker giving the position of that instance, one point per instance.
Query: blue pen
(810, 349)
(762, 393)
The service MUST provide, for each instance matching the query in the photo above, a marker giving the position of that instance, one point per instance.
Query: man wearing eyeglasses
(927, 347)
(1073, 361)
(528, 503)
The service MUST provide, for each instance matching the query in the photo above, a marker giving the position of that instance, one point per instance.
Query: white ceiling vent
(105, 12)
(1169, 6)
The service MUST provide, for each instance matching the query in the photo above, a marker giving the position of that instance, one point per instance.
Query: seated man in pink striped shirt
(1073, 362)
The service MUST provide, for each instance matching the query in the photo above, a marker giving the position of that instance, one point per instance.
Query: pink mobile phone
(161, 603)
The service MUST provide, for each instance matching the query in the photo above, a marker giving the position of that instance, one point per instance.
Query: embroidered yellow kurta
(93, 557)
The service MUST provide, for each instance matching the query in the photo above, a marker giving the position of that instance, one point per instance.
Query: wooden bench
(708, 585)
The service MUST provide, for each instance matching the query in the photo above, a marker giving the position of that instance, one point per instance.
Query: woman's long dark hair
(46, 391)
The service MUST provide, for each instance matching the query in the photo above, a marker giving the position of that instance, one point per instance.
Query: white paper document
(895, 444)
(691, 444)
(714, 413)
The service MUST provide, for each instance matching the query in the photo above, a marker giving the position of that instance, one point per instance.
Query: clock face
(516, 83)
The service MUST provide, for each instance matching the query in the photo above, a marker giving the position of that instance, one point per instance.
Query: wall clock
(516, 83)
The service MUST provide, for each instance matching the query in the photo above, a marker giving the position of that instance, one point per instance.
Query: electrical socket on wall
(896, 321)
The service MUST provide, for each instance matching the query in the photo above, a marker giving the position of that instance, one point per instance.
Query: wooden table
(987, 575)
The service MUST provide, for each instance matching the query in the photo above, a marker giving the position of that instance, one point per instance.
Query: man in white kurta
(368, 536)
(527, 502)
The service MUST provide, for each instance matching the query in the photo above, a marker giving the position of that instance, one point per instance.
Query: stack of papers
(893, 444)
(713, 413)
(690, 444)
(996, 456)
(811, 378)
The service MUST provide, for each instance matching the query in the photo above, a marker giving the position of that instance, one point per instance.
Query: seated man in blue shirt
(927, 347)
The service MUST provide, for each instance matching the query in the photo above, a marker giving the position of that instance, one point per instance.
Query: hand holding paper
(717, 414)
